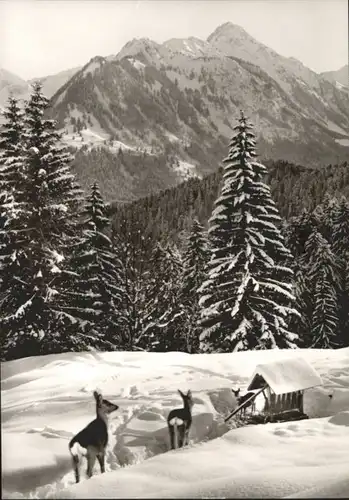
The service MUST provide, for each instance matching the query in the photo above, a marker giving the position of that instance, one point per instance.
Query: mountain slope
(159, 113)
(180, 99)
(11, 84)
(51, 83)
(340, 76)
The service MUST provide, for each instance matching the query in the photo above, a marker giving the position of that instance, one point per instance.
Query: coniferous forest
(254, 256)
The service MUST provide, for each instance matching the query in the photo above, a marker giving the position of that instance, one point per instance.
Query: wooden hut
(283, 384)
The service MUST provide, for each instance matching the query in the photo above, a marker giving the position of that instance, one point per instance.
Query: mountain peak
(229, 30)
(93, 65)
(145, 46)
(8, 78)
(11, 84)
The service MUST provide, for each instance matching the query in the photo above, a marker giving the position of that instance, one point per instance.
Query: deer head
(104, 405)
(236, 392)
(187, 398)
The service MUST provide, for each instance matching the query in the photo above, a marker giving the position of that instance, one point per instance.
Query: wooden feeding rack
(283, 384)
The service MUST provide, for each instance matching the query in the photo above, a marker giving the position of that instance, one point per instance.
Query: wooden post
(300, 401)
(294, 400)
(266, 404)
(278, 403)
(272, 402)
(289, 401)
(283, 402)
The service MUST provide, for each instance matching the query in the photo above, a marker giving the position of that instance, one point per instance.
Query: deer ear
(181, 393)
(189, 393)
(97, 395)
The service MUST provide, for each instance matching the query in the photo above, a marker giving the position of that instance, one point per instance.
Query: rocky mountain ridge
(339, 77)
(170, 108)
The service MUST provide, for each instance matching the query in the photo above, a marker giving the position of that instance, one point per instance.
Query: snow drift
(47, 399)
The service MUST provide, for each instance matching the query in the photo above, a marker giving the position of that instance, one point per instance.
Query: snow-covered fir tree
(194, 262)
(32, 318)
(10, 176)
(163, 321)
(340, 247)
(11, 135)
(323, 281)
(97, 294)
(247, 297)
(11, 186)
(325, 214)
(296, 232)
(133, 249)
(152, 278)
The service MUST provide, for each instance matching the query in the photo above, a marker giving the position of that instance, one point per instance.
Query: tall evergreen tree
(297, 232)
(325, 214)
(194, 262)
(163, 323)
(340, 247)
(97, 295)
(247, 297)
(134, 250)
(32, 318)
(323, 278)
(11, 137)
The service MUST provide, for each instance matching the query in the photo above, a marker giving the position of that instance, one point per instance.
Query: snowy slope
(51, 83)
(232, 39)
(193, 89)
(341, 76)
(47, 399)
(11, 84)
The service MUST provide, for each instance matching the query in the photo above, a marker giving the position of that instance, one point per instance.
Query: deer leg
(171, 431)
(76, 468)
(101, 460)
(186, 437)
(181, 436)
(91, 459)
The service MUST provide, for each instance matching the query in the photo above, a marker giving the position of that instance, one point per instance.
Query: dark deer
(243, 398)
(179, 422)
(93, 439)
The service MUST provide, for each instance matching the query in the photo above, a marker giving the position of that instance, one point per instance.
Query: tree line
(77, 274)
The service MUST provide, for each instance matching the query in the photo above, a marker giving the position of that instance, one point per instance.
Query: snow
(343, 142)
(92, 138)
(88, 133)
(137, 64)
(116, 145)
(172, 137)
(287, 375)
(92, 67)
(47, 399)
(340, 85)
(335, 128)
(185, 169)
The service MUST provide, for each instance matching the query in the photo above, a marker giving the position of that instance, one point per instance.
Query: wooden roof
(284, 376)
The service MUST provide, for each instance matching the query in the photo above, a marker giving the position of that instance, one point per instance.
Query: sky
(42, 37)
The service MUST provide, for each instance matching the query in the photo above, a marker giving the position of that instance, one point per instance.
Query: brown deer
(179, 422)
(243, 398)
(93, 439)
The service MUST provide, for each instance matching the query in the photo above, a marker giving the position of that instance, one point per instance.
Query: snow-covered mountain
(341, 76)
(183, 97)
(11, 84)
(51, 83)
(173, 106)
